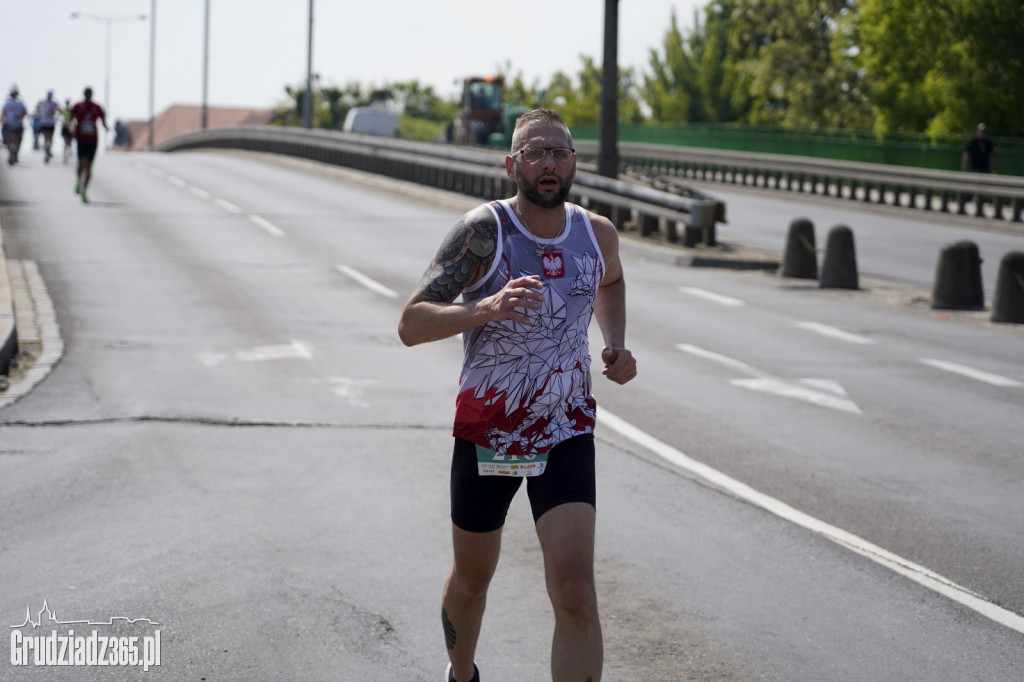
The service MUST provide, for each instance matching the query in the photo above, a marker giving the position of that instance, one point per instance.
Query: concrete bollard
(839, 266)
(957, 283)
(800, 259)
(1008, 300)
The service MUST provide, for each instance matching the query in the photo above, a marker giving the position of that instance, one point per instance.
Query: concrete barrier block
(1008, 300)
(957, 284)
(800, 258)
(839, 266)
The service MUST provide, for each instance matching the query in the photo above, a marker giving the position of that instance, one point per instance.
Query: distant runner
(46, 114)
(84, 117)
(12, 119)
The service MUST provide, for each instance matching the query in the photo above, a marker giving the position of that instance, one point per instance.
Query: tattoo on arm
(449, 630)
(467, 251)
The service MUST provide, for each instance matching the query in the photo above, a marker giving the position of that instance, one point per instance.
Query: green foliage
(926, 66)
(943, 66)
(796, 56)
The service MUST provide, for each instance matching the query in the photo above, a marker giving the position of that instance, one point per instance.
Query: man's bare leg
(567, 539)
(465, 596)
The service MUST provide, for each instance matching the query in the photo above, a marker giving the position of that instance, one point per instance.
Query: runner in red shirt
(84, 118)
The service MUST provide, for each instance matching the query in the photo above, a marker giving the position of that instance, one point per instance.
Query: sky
(257, 47)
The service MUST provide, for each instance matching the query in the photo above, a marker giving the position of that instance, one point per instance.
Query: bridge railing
(986, 197)
(478, 172)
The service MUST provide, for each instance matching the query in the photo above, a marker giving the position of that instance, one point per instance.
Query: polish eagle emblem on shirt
(553, 264)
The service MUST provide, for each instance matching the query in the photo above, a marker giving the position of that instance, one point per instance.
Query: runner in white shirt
(12, 119)
(46, 112)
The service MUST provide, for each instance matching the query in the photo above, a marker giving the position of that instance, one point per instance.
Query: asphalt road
(802, 484)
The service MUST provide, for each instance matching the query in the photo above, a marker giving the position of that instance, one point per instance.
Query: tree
(578, 99)
(330, 104)
(798, 58)
(942, 66)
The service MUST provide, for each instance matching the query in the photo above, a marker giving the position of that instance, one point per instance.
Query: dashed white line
(367, 282)
(201, 193)
(858, 545)
(227, 205)
(268, 226)
(833, 332)
(176, 181)
(711, 296)
(964, 370)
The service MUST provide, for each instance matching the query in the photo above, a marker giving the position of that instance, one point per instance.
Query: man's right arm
(464, 257)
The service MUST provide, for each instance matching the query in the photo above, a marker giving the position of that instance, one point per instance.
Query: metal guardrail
(991, 197)
(687, 218)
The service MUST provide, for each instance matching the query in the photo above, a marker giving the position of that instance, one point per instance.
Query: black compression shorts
(479, 504)
(87, 150)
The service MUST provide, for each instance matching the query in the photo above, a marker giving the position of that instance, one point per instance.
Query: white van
(371, 121)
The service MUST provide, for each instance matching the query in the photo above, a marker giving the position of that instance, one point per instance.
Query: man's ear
(510, 167)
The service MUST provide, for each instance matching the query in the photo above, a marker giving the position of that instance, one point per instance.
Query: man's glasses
(535, 154)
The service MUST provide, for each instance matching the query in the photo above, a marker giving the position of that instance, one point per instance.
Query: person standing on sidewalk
(980, 154)
(85, 116)
(531, 272)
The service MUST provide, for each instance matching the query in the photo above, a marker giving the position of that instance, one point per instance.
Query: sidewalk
(8, 334)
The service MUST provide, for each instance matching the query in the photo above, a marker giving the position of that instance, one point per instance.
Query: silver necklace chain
(541, 248)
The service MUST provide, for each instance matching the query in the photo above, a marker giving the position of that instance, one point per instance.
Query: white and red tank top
(526, 388)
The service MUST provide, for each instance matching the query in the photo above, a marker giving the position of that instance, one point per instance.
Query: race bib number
(491, 463)
(87, 127)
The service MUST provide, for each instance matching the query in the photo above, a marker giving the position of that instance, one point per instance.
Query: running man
(84, 117)
(12, 119)
(65, 129)
(531, 272)
(46, 114)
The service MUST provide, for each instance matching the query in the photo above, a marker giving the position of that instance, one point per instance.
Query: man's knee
(470, 585)
(574, 596)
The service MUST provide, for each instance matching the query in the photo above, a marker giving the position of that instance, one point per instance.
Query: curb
(8, 332)
(727, 254)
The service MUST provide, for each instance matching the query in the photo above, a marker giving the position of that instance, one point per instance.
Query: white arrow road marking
(988, 378)
(821, 392)
(833, 332)
(351, 389)
(296, 350)
(854, 543)
(371, 284)
(711, 296)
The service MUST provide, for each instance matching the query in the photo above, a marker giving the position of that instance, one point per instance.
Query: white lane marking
(268, 226)
(833, 332)
(227, 205)
(711, 296)
(296, 350)
(201, 193)
(176, 181)
(988, 378)
(821, 392)
(371, 284)
(854, 543)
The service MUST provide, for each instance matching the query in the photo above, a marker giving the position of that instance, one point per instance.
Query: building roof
(179, 119)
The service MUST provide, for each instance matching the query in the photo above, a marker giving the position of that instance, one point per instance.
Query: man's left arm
(610, 305)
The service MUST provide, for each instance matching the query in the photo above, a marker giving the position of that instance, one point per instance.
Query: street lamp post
(152, 66)
(108, 21)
